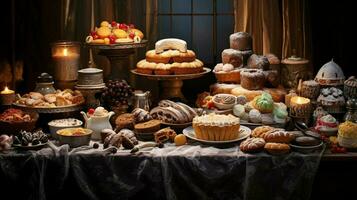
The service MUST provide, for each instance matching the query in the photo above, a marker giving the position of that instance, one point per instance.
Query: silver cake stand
(171, 85)
(118, 56)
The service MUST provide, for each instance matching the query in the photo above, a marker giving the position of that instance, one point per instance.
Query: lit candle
(300, 107)
(7, 96)
(66, 56)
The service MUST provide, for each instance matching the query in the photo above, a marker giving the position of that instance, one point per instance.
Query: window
(204, 24)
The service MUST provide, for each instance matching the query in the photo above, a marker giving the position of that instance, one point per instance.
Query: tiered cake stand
(118, 56)
(171, 84)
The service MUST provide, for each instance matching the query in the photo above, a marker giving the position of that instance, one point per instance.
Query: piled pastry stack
(170, 56)
(234, 59)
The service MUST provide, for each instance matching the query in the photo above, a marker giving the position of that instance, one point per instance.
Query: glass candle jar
(66, 57)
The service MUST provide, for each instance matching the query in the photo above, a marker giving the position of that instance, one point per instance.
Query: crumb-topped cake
(216, 127)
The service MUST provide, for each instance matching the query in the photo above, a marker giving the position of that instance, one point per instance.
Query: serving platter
(244, 133)
(30, 146)
(178, 126)
(57, 109)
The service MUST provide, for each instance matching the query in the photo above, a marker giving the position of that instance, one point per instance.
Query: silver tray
(57, 109)
(173, 77)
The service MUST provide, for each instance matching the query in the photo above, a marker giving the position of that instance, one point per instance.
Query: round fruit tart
(114, 33)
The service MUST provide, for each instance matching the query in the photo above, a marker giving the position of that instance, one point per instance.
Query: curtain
(277, 26)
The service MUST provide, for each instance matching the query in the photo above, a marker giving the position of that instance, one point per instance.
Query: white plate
(245, 132)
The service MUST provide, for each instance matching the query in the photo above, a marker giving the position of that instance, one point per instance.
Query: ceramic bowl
(74, 140)
(59, 124)
(224, 101)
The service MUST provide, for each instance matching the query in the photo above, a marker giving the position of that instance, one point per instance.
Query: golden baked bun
(103, 32)
(119, 33)
(188, 56)
(152, 56)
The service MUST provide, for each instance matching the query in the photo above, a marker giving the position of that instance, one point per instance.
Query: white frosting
(170, 43)
(213, 119)
(100, 111)
(227, 67)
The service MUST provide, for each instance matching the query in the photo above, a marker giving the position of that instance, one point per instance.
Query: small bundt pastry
(226, 73)
(258, 62)
(350, 87)
(252, 145)
(233, 57)
(264, 103)
(252, 79)
(310, 89)
(240, 41)
(216, 127)
(277, 148)
(141, 115)
(279, 136)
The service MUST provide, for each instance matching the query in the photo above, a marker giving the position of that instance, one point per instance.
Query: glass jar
(142, 100)
(44, 84)
(351, 114)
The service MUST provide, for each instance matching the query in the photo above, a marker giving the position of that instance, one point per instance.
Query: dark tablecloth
(186, 172)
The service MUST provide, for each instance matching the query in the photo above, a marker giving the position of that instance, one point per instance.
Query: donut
(252, 79)
(152, 56)
(188, 56)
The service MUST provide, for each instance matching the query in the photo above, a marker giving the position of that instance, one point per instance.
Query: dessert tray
(124, 45)
(30, 147)
(57, 109)
(173, 77)
(244, 133)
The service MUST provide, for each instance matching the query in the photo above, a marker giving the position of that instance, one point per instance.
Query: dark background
(37, 25)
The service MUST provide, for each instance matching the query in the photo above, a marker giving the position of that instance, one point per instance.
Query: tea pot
(97, 122)
(142, 100)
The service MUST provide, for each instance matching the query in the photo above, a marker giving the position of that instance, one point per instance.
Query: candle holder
(66, 57)
(300, 107)
(7, 97)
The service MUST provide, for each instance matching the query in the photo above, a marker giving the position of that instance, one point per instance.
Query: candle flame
(65, 52)
(6, 89)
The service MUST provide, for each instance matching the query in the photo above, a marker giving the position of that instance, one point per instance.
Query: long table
(188, 172)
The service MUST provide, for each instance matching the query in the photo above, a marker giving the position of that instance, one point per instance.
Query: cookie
(278, 136)
(257, 132)
(252, 145)
(277, 148)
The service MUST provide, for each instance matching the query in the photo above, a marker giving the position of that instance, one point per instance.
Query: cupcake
(332, 100)
(327, 125)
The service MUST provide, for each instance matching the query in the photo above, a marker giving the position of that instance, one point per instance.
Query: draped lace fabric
(186, 172)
